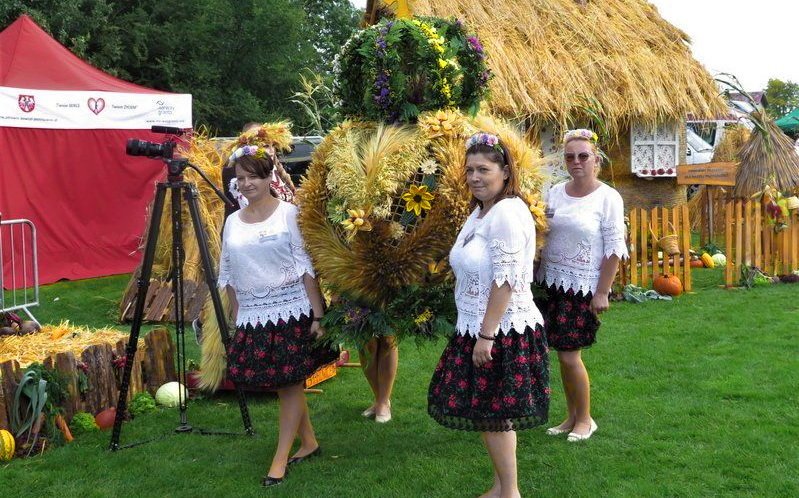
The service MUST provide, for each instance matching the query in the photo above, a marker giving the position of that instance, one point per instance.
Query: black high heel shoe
(268, 481)
(314, 453)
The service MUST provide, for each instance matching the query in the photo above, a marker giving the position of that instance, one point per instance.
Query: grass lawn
(695, 397)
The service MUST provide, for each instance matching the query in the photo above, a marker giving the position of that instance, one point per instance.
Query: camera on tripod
(164, 150)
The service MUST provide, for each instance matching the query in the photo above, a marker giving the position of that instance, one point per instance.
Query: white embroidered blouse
(499, 248)
(583, 231)
(264, 263)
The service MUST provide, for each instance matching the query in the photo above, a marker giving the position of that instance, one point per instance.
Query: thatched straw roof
(553, 58)
(767, 158)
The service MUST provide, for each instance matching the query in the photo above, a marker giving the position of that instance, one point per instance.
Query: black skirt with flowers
(276, 355)
(569, 322)
(510, 392)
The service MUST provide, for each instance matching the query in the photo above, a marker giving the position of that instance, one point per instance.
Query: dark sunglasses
(582, 156)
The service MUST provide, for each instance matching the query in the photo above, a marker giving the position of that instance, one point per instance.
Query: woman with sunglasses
(578, 264)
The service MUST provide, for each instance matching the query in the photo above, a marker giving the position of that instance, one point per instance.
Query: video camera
(165, 150)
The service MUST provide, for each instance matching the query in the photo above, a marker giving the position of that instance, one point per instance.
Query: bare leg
(387, 361)
(497, 487)
(368, 357)
(568, 423)
(308, 442)
(502, 450)
(579, 388)
(292, 406)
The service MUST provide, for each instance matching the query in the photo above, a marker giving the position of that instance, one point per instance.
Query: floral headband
(485, 139)
(580, 133)
(247, 150)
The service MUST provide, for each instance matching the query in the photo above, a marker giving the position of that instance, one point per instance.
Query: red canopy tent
(63, 128)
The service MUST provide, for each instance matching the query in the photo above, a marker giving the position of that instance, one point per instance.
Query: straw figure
(384, 196)
(561, 64)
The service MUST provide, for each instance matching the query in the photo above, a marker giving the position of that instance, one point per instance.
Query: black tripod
(175, 184)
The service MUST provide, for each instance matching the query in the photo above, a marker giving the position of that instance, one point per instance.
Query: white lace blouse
(264, 263)
(583, 231)
(499, 248)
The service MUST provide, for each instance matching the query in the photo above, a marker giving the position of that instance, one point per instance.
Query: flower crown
(581, 133)
(247, 150)
(483, 138)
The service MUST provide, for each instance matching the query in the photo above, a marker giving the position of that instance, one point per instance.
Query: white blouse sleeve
(302, 262)
(225, 278)
(509, 234)
(612, 227)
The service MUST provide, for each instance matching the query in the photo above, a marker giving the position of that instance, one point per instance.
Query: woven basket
(668, 243)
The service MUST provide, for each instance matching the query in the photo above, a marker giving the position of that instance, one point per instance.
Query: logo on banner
(27, 103)
(96, 105)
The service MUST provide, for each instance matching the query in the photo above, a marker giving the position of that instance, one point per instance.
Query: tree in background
(240, 59)
(782, 97)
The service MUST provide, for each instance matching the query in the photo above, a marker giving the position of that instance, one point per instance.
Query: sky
(754, 40)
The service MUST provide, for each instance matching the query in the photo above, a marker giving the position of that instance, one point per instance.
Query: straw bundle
(548, 57)
(768, 157)
(59, 338)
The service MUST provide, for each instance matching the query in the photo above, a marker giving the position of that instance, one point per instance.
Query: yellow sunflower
(417, 198)
(357, 221)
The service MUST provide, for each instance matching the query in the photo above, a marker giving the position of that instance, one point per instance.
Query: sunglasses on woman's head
(582, 157)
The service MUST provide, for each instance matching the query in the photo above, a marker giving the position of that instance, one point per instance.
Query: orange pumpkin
(105, 419)
(668, 285)
(697, 263)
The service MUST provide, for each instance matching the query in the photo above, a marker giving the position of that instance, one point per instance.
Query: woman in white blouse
(493, 373)
(271, 285)
(578, 264)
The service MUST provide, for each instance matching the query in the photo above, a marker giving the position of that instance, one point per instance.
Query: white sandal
(574, 437)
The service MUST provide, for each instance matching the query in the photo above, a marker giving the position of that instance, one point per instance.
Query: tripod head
(166, 152)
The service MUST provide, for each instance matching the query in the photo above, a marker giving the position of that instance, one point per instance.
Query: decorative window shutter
(655, 151)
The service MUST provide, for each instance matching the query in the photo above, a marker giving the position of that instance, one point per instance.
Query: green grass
(695, 397)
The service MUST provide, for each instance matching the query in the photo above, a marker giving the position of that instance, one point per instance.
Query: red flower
(475, 402)
(507, 341)
(580, 322)
(271, 372)
(458, 361)
(509, 400)
(248, 341)
(436, 390)
(462, 384)
(561, 319)
(547, 391)
(567, 306)
(241, 358)
(448, 377)
(240, 337)
(495, 406)
(536, 334)
(482, 383)
(234, 371)
(521, 359)
(519, 378)
(287, 369)
(292, 348)
(451, 403)
(260, 354)
(249, 373)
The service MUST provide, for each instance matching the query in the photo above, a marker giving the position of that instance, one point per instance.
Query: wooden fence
(752, 241)
(647, 226)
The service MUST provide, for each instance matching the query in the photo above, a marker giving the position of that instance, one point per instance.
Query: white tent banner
(88, 110)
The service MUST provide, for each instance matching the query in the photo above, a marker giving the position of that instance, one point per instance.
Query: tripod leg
(178, 258)
(210, 280)
(143, 284)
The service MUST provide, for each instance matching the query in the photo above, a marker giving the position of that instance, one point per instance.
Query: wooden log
(67, 366)
(136, 382)
(158, 366)
(102, 391)
(195, 303)
(10, 375)
(160, 307)
(738, 236)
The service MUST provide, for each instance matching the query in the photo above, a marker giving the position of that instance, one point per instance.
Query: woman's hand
(482, 352)
(599, 303)
(317, 330)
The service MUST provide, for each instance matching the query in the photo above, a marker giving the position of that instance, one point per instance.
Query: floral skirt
(569, 322)
(276, 355)
(510, 392)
